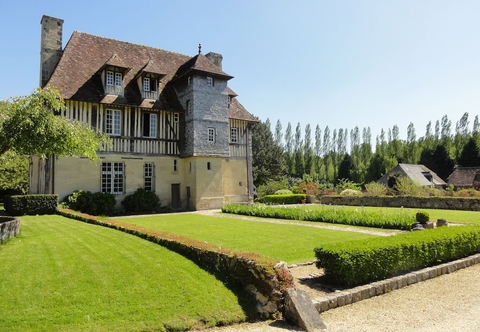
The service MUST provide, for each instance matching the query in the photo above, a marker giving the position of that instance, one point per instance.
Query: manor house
(176, 126)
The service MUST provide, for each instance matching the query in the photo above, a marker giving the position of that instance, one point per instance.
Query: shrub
(283, 192)
(375, 189)
(270, 188)
(422, 217)
(19, 205)
(344, 184)
(141, 201)
(357, 262)
(97, 204)
(406, 186)
(285, 199)
(351, 192)
(309, 188)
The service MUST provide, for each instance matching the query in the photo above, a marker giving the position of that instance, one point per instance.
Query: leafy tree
(318, 149)
(308, 150)
(278, 134)
(438, 160)
(13, 173)
(289, 148)
(29, 126)
(268, 161)
(470, 155)
(345, 167)
(298, 152)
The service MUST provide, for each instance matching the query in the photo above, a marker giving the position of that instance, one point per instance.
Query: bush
(96, 204)
(141, 201)
(406, 186)
(285, 199)
(375, 189)
(19, 205)
(357, 262)
(283, 192)
(344, 184)
(422, 217)
(351, 192)
(309, 188)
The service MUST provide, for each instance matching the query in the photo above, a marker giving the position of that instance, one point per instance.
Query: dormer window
(114, 81)
(148, 84)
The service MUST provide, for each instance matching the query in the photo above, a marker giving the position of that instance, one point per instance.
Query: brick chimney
(216, 58)
(50, 46)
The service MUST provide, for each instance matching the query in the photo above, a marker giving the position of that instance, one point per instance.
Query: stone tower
(50, 46)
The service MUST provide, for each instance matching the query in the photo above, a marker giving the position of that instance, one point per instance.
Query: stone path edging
(377, 288)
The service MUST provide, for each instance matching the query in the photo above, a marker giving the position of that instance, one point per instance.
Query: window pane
(146, 84)
(109, 78)
(118, 79)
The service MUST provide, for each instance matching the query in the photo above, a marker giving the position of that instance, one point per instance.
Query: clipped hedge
(328, 214)
(357, 262)
(19, 205)
(285, 199)
(263, 277)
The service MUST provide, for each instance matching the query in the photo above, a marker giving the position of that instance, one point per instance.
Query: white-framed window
(149, 125)
(211, 134)
(113, 177)
(148, 176)
(113, 122)
(146, 84)
(175, 117)
(209, 81)
(118, 79)
(110, 78)
(234, 135)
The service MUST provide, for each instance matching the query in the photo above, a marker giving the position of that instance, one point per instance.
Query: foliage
(422, 217)
(284, 199)
(309, 188)
(268, 161)
(406, 186)
(29, 126)
(357, 262)
(375, 189)
(351, 192)
(283, 192)
(344, 184)
(470, 155)
(270, 188)
(141, 201)
(328, 214)
(19, 205)
(97, 204)
(13, 173)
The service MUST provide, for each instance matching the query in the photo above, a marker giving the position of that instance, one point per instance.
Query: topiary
(422, 217)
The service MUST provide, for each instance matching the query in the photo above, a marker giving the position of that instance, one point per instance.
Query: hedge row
(285, 199)
(256, 273)
(328, 214)
(357, 262)
(19, 205)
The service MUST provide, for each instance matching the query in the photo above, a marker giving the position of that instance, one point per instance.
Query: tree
(13, 173)
(29, 126)
(268, 162)
(278, 134)
(299, 168)
(308, 150)
(345, 167)
(470, 155)
(438, 160)
(289, 148)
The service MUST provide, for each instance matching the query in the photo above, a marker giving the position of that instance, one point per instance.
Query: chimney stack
(216, 58)
(50, 46)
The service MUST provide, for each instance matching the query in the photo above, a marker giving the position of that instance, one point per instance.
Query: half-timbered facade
(177, 128)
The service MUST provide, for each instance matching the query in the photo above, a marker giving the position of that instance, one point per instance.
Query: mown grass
(289, 243)
(64, 275)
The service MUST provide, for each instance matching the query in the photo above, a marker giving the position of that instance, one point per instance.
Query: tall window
(112, 122)
(148, 177)
(146, 84)
(233, 135)
(118, 79)
(110, 78)
(149, 125)
(211, 134)
(113, 177)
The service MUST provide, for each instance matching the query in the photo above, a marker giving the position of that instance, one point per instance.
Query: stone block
(322, 305)
(300, 311)
(332, 302)
(412, 278)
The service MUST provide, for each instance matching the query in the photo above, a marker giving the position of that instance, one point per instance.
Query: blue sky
(338, 63)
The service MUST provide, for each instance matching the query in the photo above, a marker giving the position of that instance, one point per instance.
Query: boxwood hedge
(357, 262)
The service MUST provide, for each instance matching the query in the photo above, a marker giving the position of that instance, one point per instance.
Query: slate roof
(77, 75)
(417, 173)
(463, 176)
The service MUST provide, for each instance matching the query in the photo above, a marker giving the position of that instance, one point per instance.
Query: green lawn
(290, 243)
(65, 275)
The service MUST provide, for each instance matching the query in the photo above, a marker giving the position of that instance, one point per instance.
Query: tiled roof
(77, 73)
(463, 176)
(416, 172)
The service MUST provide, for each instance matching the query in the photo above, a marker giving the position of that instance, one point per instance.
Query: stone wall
(444, 203)
(9, 227)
